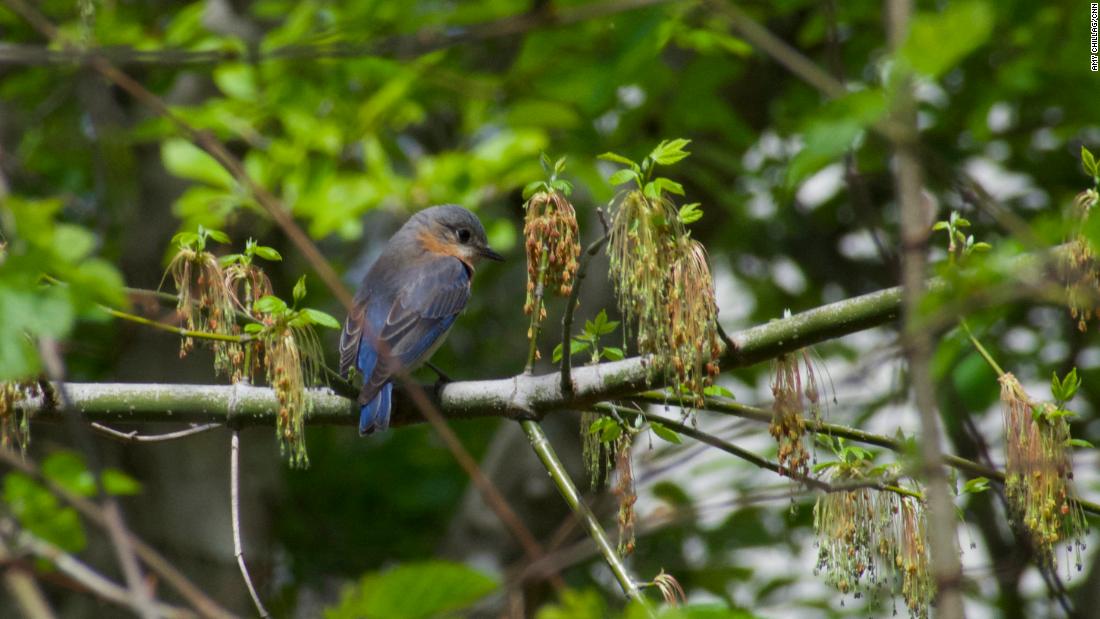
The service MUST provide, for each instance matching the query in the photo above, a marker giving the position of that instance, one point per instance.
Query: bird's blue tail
(375, 415)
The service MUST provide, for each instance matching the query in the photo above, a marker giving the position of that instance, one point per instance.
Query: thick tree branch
(516, 397)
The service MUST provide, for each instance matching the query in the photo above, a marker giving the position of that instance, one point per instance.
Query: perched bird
(408, 301)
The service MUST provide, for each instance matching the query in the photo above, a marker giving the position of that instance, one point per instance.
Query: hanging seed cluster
(625, 491)
(291, 358)
(1039, 474)
(551, 234)
(663, 282)
(792, 395)
(204, 304)
(15, 427)
(869, 540)
(1080, 271)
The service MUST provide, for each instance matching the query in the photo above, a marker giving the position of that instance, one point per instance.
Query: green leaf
(938, 41)
(119, 483)
(669, 152)
(1079, 442)
(253, 327)
(39, 511)
(185, 160)
(663, 432)
(318, 317)
(690, 213)
(217, 235)
(976, 485)
(563, 186)
(612, 353)
(67, 469)
(718, 390)
(300, 289)
(270, 304)
(229, 259)
(624, 175)
(413, 591)
(576, 347)
(669, 186)
(532, 188)
(834, 131)
(185, 240)
(267, 253)
(940, 225)
(617, 158)
(1088, 162)
(236, 80)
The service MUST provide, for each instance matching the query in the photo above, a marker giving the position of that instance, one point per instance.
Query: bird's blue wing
(436, 292)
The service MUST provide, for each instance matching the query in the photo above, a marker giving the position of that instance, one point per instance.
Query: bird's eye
(463, 235)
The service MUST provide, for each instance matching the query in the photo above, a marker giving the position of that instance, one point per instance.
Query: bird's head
(454, 231)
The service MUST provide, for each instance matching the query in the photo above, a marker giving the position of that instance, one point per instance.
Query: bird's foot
(441, 377)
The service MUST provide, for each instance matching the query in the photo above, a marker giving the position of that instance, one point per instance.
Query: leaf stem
(981, 349)
(205, 335)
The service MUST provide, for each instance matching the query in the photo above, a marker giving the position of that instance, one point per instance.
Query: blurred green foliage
(342, 112)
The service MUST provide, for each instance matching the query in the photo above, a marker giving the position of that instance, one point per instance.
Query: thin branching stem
(981, 349)
(159, 565)
(134, 437)
(536, 314)
(235, 506)
(205, 335)
(549, 459)
(570, 309)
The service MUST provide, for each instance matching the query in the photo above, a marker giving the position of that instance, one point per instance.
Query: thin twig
(885, 485)
(22, 585)
(981, 349)
(206, 606)
(567, 317)
(205, 335)
(89, 578)
(408, 45)
(133, 436)
(235, 507)
(545, 452)
(917, 342)
(112, 513)
(744, 411)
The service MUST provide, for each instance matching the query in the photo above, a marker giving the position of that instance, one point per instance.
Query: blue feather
(375, 415)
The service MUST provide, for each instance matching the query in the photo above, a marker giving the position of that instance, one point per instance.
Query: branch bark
(521, 396)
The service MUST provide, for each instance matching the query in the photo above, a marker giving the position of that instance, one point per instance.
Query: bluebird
(408, 301)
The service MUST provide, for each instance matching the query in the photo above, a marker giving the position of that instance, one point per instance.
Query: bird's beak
(487, 252)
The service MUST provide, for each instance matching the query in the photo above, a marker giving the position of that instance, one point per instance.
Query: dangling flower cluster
(869, 539)
(663, 281)
(551, 233)
(788, 425)
(597, 459)
(1079, 266)
(291, 358)
(204, 300)
(1038, 472)
(911, 559)
(247, 283)
(213, 293)
(624, 490)
(693, 316)
(15, 426)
